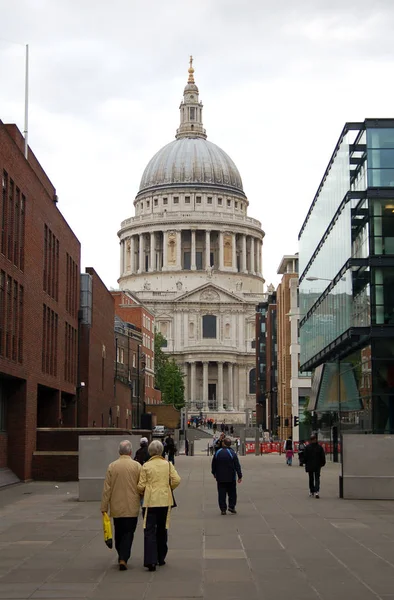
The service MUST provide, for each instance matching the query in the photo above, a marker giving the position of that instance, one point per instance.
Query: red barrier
(277, 447)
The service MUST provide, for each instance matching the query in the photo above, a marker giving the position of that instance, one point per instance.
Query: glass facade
(347, 283)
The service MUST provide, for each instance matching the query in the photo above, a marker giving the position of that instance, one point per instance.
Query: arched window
(209, 326)
(252, 381)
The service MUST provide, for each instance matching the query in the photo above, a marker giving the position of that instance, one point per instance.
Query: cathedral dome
(191, 161)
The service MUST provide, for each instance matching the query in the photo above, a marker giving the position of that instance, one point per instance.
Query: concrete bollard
(191, 448)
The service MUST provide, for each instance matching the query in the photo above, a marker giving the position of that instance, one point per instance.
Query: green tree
(169, 377)
(161, 359)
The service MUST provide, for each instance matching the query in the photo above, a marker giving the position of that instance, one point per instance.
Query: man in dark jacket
(142, 455)
(315, 459)
(170, 448)
(226, 469)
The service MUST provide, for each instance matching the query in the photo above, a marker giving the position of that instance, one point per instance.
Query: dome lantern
(191, 110)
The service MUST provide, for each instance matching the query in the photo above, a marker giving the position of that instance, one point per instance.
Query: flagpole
(26, 102)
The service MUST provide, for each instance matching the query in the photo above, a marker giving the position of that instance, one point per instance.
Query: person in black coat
(315, 459)
(226, 469)
(142, 455)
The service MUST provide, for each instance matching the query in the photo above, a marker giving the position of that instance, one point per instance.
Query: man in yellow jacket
(157, 480)
(121, 495)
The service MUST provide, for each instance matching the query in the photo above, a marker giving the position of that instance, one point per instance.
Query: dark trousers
(171, 457)
(224, 490)
(124, 535)
(155, 536)
(314, 481)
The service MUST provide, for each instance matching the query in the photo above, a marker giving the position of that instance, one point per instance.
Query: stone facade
(193, 256)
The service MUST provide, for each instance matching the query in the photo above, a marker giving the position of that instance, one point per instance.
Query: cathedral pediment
(209, 293)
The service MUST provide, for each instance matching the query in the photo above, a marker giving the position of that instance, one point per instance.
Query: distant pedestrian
(226, 429)
(232, 430)
(170, 448)
(215, 426)
(219, 442)
(187, 447)
(142, 454)
(222, 427)
(237, 445)
(289, 450)
(315, 459)
(226, 469)
(121, 496)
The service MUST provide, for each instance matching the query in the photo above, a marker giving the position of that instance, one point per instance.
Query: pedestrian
(219, 442)
(288, 449)
(226, 429)
(237, 445)
(121, 496)
(215, 426)
(222, 427)
(142, 454)
(170, 448)
(226, 469)
(315, 459)
(232, 429)
(301, 453)
(187, 447)
(157, 480)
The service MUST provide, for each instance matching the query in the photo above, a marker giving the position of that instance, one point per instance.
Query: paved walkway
(281, 544)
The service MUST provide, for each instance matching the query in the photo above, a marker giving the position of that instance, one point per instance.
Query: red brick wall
(55, 467)
(40, 210)
(3, 450)
(97, 353)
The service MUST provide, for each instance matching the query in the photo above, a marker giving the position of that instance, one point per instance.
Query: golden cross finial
(191, 71)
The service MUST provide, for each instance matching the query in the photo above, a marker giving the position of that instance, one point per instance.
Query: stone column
(230, 387)
(132, 254)
(244, 255)
(207, 249)
(234, 239)
(142, 257)
(193, 251)
(205, 385)
(221, 251)
(165, 249)
(122, 249)
(152, 257)
(220, 386)
(252, 255)
(179, 250)
(192, 383)
(241, 388)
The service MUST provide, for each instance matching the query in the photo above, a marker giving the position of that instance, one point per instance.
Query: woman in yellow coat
(157, 480)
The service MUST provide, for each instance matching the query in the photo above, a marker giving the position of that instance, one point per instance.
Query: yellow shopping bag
(107, 530)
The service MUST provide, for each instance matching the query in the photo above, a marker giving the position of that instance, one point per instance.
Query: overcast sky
(278, 80)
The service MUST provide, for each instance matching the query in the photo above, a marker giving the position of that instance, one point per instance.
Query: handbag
(174, 504)
(107, 530)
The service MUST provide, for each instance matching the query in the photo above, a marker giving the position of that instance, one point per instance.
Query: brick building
(131, 310)
(39, 296)
(266, 362)
(129, 371)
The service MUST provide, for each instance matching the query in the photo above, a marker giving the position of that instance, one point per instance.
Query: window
(192, 113)
(209, 200)
(147, 204)
(235, 204)
(229, 203)
(209, 326)
(199, 266)
(198, 199)
(176, 200)
(186, 261)
(187, 199)
(142, 206)
(155, 202)
(220, 201)
(165, 200)
(134, 361)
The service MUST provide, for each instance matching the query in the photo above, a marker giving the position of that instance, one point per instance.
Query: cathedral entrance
(212, 402)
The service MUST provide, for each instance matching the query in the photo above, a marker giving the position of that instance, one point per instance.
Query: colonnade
(191, 249)
(222, 377)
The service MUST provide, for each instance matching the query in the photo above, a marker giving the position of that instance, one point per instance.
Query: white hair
(125, 448)
(155, 448)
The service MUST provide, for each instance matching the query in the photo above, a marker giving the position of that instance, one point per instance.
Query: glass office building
(347, 282)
